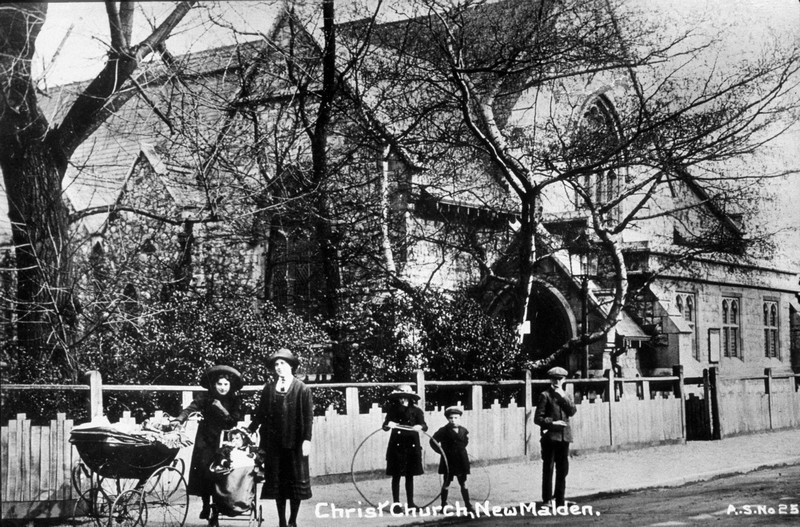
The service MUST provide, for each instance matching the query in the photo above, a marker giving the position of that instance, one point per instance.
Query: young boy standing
(453, 439)
(553, 411)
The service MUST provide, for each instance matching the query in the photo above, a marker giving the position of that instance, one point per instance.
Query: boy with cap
(451, 441)
(553, 411)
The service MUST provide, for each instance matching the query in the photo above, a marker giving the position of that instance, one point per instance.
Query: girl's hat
(450, 410)
(214, 372)
(284, 354)
(403, 391)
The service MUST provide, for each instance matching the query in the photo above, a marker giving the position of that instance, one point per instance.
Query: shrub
(448, 336)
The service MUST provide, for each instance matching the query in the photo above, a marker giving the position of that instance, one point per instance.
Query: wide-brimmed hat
(403, 391)
(555, 373)
(210, 376)
(284, 354)
(450, 410)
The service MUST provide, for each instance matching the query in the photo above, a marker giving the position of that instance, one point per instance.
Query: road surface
(764, 497)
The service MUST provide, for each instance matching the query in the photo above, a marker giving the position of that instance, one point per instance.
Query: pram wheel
(91, 503)
(81, 477)
(256, 516)
(128, 510)
(165, 498)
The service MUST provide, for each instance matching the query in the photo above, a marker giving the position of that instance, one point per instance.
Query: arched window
(730, 327)
(684, 302)
(771, 329)
(98, 263)
(293, 277)
(129, 303)
(597, 146)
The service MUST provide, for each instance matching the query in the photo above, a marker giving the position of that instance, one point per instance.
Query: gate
(702, 410)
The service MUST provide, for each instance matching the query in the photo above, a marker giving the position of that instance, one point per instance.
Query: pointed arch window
(596, 146)
(771, 329)
(293, 275)
(730, 327)
(685, 304)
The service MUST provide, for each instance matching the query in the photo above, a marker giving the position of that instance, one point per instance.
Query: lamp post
(585, 324)
(583, 266)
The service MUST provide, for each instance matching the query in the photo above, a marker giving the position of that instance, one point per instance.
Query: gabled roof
(100, 166)
(709, 203)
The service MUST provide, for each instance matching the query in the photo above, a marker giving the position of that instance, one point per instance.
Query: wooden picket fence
(755, 404)
(36, 466)
(611, 413)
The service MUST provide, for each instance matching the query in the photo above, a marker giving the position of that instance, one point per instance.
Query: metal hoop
(400, 427)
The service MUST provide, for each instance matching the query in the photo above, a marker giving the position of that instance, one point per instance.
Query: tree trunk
(34, 159)
(45, 306)
(32, 172)
(526, 257)
(327, 237)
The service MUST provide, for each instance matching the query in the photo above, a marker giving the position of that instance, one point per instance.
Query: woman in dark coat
(451, 440)
(404, 453)
(221, 410)
(285, 414)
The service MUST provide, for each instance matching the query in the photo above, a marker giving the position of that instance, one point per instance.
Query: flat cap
(557, 372)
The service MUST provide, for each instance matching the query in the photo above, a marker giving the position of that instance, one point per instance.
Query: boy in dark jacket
(453, 439)
(552, 415)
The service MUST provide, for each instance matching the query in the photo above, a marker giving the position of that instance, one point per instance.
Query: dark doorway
(550, 325)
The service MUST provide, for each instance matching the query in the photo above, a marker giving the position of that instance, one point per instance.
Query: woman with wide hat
(285, 415)
(404, 452)
(221, 409)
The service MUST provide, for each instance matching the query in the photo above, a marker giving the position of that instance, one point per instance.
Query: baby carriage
(114, 456)
(237, 467)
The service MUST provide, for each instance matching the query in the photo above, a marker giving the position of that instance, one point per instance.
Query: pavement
(509, 484)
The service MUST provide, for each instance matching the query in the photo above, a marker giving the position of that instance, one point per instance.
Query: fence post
(186, 398)
(476, 392)
(95, 381)
(768, 390)
(528, 428)
(677, 371)
(351, 401)
(713, 392)
(610, 395)
(421, 388)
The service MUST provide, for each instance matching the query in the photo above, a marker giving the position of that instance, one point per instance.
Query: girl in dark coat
(221, 410)
(285, 414)
(453, 440)
(404, 453)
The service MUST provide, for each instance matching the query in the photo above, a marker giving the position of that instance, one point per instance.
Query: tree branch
(89, 110)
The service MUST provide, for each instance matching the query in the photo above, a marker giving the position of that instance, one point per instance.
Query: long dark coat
(206, 442)
(286, 420)
(404, 453)
(454, 445)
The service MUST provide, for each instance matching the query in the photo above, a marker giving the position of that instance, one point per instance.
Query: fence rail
(611, 412)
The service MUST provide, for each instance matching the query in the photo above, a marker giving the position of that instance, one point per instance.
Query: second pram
(237, 468)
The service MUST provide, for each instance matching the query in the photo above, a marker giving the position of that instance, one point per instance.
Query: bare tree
(451, 74)
(35, 156)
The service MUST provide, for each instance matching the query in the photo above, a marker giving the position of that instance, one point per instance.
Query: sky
(74, 40)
